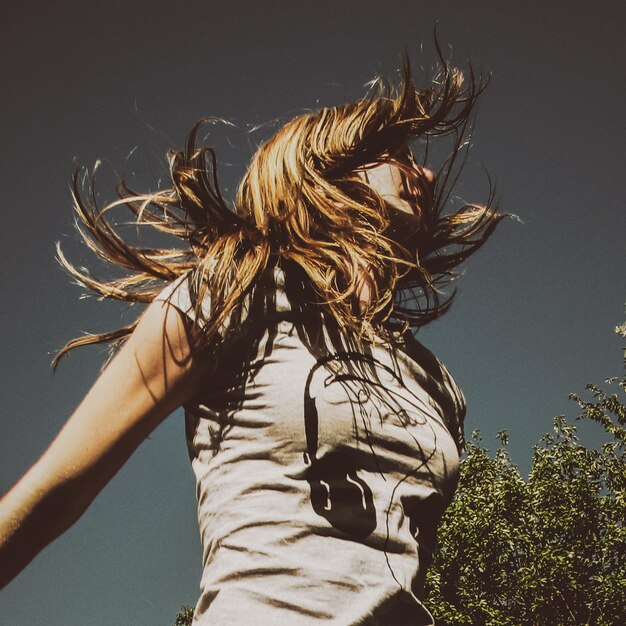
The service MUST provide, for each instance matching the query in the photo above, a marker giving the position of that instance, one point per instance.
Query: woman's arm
(154, 373)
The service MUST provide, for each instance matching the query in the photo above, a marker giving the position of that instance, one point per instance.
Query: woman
(324, 438)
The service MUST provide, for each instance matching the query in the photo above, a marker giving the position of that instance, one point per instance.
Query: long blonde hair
(301, 202)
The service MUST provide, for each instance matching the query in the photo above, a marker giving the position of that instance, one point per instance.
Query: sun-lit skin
(405, 203)
(405, 200)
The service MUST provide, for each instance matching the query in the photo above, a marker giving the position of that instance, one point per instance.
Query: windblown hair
(302, 202)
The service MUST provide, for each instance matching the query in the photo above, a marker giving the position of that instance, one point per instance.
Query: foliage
(547, 550)
(184, 617)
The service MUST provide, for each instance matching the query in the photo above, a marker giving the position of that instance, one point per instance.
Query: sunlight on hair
(302, 201)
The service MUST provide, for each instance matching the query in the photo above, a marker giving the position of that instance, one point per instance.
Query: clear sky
(124, 81)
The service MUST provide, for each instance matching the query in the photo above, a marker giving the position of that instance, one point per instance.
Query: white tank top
(322, 465)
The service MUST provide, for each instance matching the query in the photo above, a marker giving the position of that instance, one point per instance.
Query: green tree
(550, 549)
(184, 617)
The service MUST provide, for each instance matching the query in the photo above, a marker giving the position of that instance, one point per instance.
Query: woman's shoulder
(183, 294)
(178, 293)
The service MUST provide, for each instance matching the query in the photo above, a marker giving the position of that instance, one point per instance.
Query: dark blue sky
(124, 81)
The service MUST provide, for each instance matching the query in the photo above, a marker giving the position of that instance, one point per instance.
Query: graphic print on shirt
(375, 391)
(347, 531)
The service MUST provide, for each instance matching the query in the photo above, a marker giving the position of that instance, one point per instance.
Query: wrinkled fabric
(322, 466)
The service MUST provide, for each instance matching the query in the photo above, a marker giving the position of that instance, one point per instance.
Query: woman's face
(406, 200)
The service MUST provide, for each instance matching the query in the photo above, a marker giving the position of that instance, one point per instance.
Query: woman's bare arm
(153, 374)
